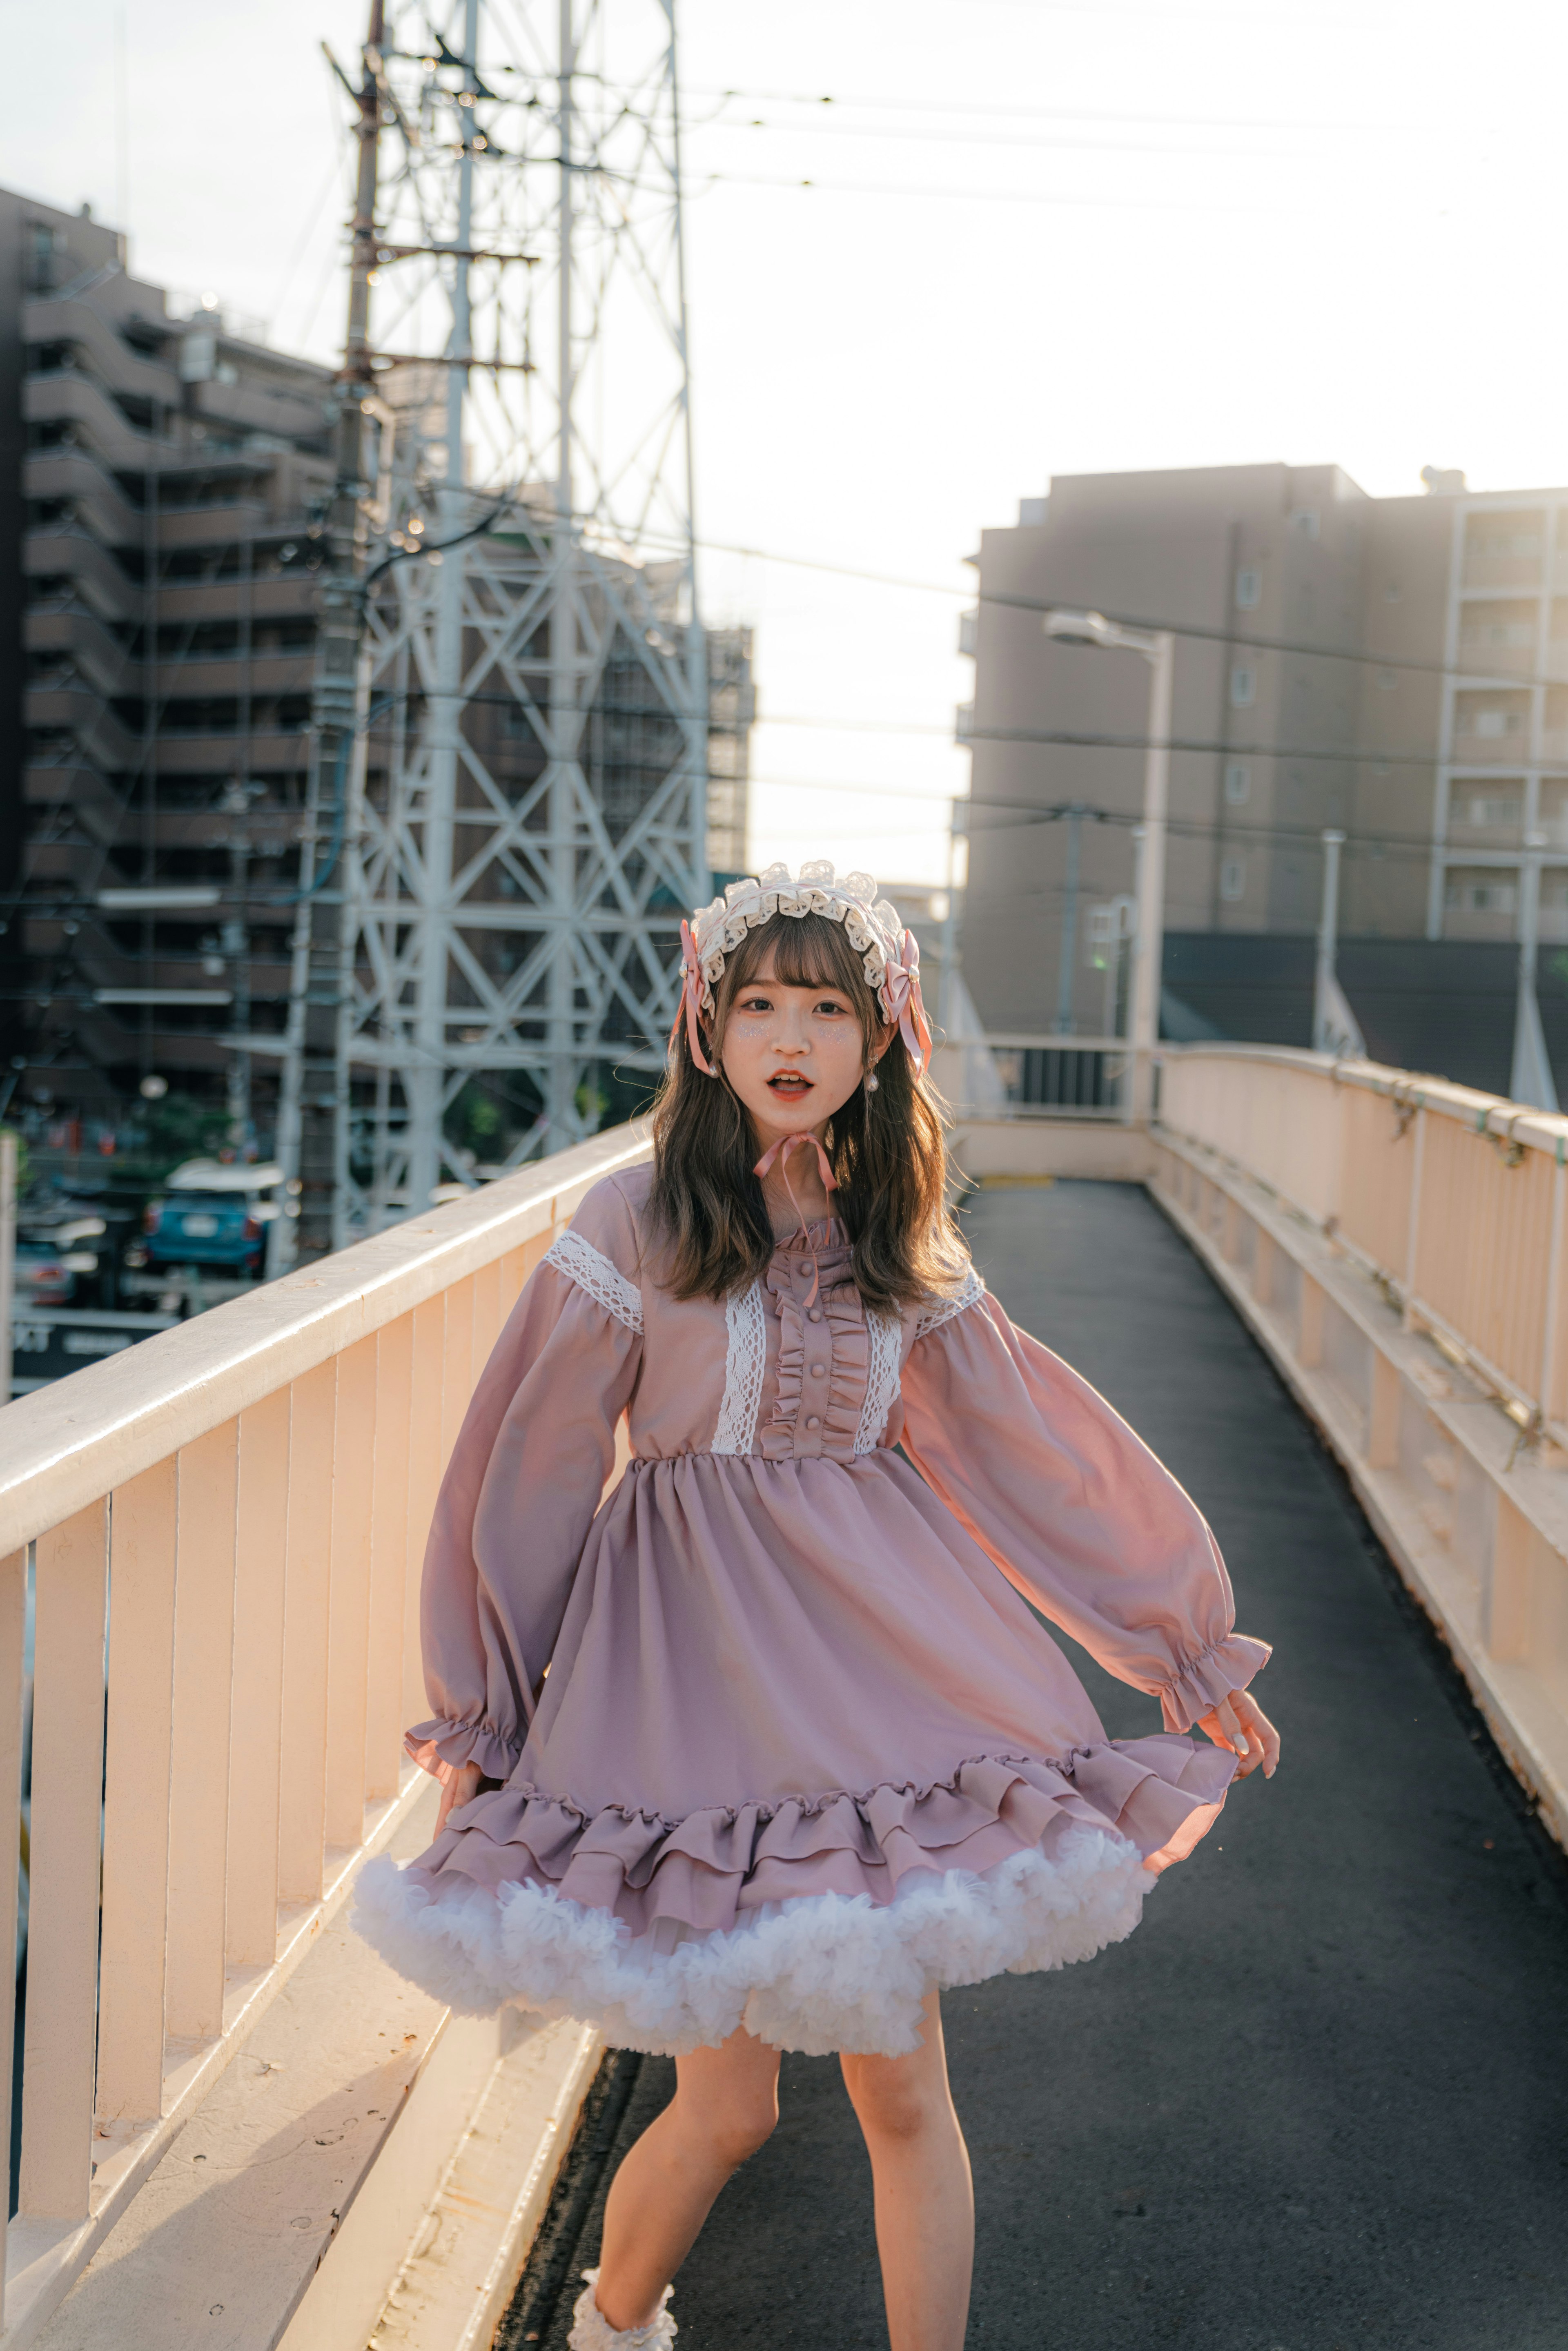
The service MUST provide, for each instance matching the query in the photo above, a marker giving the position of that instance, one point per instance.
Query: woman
(765, 1748)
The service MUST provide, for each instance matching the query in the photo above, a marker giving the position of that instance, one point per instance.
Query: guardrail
(1063, 1077)
(1396, 1246)
(1453, 1199)
(223, 1531)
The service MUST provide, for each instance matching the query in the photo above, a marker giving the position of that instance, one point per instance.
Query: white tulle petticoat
(817, 1973)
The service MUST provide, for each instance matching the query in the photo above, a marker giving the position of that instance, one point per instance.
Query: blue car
(213, 1214)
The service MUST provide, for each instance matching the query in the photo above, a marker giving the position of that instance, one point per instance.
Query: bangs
(808, 951)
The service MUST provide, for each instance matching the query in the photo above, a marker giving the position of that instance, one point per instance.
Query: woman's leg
(925, 2201)
(725, 2105)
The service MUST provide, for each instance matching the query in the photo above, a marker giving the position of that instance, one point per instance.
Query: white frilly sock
(591, 2330)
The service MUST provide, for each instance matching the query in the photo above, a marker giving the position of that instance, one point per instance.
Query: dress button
(813, 1422)
(817, 1370)
(815, 1314)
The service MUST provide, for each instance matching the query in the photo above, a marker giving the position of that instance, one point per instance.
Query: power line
(1015, 113)
(1053, 145)
(1493, 681)
(908, 193)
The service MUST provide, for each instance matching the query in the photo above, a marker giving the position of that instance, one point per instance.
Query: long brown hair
(886, 1147)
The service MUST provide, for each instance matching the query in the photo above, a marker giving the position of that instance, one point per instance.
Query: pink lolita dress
(780, 1742)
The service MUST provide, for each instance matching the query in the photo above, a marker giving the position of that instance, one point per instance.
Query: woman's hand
(463, 1786)
(1239, 1722)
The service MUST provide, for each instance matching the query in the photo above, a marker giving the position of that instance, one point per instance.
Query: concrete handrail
(1453, 1198)
(225, 1527)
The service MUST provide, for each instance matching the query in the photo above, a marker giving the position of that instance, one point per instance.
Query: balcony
(65, 397)
(99, 502)
(78, 712)
(214, 525)
(288, 597)
(54, 551)
(236, 2105)
(46, 319)
(99, 657)
(269, 751)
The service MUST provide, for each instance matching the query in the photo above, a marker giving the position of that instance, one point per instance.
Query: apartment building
(1440, 750)
(157, 633)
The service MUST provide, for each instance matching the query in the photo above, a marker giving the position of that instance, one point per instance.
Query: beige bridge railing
(225, 1528)
(226, 1525)
(1397, 1244)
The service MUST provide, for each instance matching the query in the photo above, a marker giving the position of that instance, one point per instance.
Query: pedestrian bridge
(1318, 2100)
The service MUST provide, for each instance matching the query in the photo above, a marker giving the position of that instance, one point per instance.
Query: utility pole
(312, 1114)
(1531, 1080)
(1066, 1019)
(1335, 1028)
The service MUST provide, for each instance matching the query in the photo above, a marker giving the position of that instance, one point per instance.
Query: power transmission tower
(522, 814)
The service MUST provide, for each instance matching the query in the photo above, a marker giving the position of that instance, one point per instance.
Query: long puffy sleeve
(521, 1488)
(1073, 1507)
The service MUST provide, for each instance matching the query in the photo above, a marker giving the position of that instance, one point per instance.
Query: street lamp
(1157, 647)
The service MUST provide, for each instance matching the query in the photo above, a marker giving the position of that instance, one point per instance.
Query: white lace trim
(886, 1335)
(743, 1367)
(942, 1310)
(592, 1271)
(820, 1972)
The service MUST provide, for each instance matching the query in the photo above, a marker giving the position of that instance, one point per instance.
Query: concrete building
(156, 644)
(1437, 778)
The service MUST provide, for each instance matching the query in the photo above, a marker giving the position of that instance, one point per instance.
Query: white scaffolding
(526, 802)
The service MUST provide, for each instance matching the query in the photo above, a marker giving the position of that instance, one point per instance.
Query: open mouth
(790, 1085)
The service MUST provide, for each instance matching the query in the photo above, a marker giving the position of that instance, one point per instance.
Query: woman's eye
(827, 1005)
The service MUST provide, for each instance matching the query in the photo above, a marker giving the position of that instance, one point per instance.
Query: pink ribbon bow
(780, 1151)
(902, 1002)
(691, 1001)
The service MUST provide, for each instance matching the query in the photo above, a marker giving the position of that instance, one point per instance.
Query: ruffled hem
(530, 1898)
(1228, 1664)
(826, 1972)
(706, 1871)
(441, 1748)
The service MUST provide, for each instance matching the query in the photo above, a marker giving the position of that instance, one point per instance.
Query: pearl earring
(872, 1082)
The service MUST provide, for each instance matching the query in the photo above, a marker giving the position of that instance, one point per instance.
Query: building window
(1248, 588)
(1493, 723)
(1237, 782)
(1480, 897)
(1243, 688)
(1233, 878)
(1304, 522)
(1490, 809)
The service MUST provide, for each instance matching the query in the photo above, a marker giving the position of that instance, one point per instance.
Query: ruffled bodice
(793, 1659)
(820, 1370)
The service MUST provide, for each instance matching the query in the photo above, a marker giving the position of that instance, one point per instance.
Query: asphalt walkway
(1319, 2102)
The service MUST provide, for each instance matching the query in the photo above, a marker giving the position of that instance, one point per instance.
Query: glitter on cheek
(752, 1029)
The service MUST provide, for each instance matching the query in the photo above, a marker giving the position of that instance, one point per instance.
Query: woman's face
(793, 1055)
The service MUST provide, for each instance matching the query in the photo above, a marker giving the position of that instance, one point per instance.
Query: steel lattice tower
(520, 802)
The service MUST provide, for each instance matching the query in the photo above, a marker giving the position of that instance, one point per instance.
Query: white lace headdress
(890, 956)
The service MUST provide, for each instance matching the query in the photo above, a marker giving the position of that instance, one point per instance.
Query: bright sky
(1045, 236)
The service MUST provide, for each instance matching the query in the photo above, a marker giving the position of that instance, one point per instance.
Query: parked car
(51, 1258)
(212, 1214)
